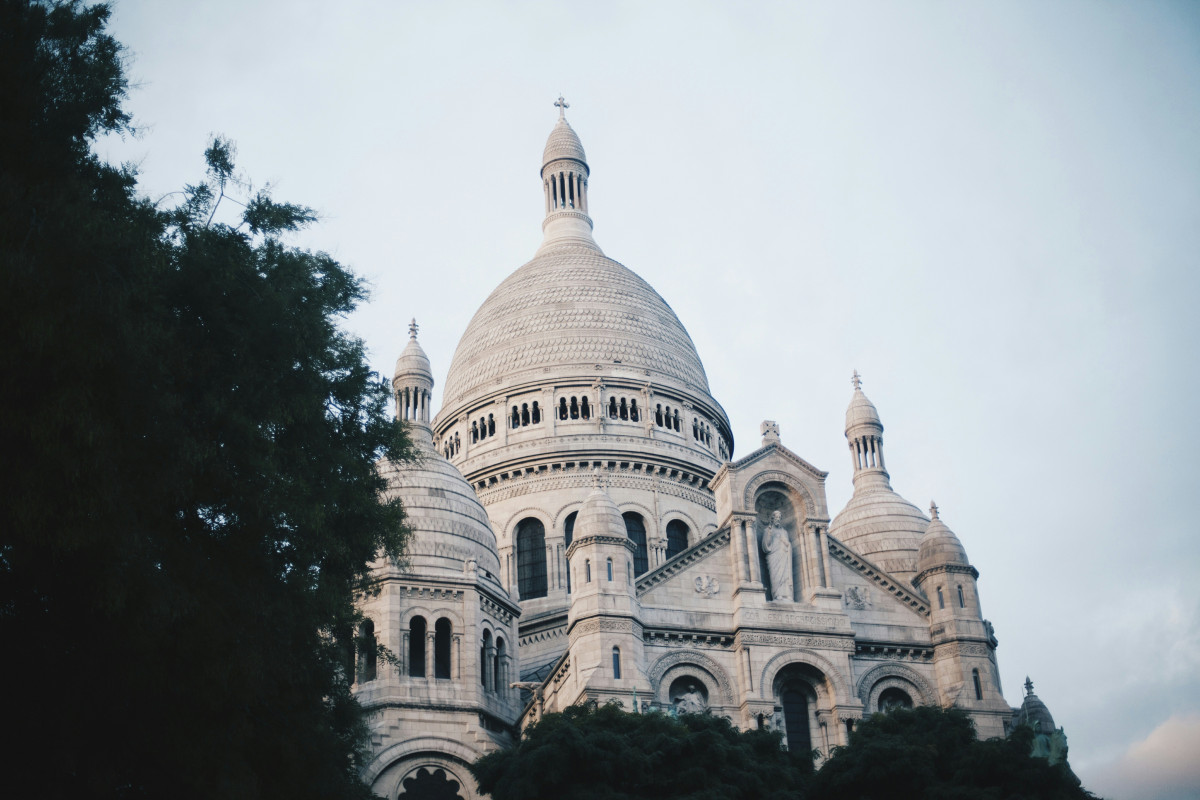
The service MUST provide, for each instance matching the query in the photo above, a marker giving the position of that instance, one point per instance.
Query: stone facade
(630, 558)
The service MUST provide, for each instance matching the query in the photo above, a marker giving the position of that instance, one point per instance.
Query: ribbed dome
(940, 547)
(563, 143)
(1034, 710)
(566, 311)
(449, 526)
(883, 527)
(413, 362)
(599, 516)
(862, 411)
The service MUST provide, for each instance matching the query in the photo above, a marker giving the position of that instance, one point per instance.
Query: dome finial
(856, 381)
(562, 106)
(1028, 685)
(412, 328)
(933, 510)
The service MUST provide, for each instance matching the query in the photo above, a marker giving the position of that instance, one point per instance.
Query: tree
(608, 753)
(933, 754)
(190, 494)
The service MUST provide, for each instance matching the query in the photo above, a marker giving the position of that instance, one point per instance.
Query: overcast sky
(991, 210)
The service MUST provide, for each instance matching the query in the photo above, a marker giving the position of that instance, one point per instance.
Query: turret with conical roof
(412, 382)
(877, 522)
(564, 181)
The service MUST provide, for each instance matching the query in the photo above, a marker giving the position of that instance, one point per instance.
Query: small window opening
(658, 419)
(962, 601)
(587, 570)
(612, 408)
(416, 647)
(516, 419)
(616, 663)
(585, 410)
(610, 570)
(535, 416)
(978, 684)
(941, 598)
(562, 408)
(441, 648)
(574, 409)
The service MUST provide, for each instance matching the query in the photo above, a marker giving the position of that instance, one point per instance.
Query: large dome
(568, 310)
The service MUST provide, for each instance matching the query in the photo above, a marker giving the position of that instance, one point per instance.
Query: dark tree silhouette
(190, 498)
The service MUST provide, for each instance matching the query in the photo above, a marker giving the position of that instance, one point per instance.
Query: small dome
(412, 361)
(563, 143)
(883, 527)
(449, 526)
(862, 412)
(599, 516)
(940, 547)
(1034, 710)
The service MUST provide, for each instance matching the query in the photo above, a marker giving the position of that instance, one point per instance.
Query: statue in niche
(778, 551)
(691, 701)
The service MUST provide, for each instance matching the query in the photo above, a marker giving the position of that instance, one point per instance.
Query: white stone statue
(778, 551)
(690, 702)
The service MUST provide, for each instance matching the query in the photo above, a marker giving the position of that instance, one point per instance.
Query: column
(752, 551)
(828, 574)
(403, 654)
(738, 539)
(456, 657)
(430, 641)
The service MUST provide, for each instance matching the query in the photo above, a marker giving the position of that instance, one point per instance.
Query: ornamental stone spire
(565, 175)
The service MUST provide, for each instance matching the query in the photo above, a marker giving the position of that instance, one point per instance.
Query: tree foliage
(609, 754)
(190, 495)
(933, 754)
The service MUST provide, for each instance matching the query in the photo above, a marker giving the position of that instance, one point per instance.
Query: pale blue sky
(992, 210)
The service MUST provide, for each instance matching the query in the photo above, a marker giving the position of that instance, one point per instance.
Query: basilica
(584, 532)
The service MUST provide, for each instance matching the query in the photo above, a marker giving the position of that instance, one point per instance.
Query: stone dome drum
(568, 310)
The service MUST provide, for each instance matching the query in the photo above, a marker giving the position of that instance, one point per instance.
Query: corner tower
(573, 364)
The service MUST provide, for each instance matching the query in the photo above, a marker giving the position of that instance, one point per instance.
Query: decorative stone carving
(707, 585)
(691, 701)
(858, 597)
(778, 551)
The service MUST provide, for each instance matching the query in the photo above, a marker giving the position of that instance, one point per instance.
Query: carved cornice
(675, 637)
(693, 555)
(886, 582)
(787, 454)
(944, 569)
(623, 542)
(844, 644)
(612, 624)
(577, 474)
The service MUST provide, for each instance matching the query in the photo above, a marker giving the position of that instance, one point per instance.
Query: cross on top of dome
(562, 106)
(412, 329)
(856, 381)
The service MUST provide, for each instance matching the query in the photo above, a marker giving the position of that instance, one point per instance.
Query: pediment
(778, 451)
(900, 590)
(686, 567)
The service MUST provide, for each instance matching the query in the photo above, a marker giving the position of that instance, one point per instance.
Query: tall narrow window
(633, 411)
(587, 570)
(491, 425)
(962, 601)
(524, 413)
(677, 537)
(498, 677)
(484, 656)
(658, 415)
(616, 663)
(366, 651)
(562, 408)
(795, 721)
(531, 559)
(535, 415)
(516, 419)
(441, 648)
(610, 570)
(635, 528)
(612, 408)
(416, 647)
(978, 684)
(585, 410)
(574, 408)
(624, 409)
(568, 537)
(941, 598)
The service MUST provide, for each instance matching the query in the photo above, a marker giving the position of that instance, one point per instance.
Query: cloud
(1163, 766)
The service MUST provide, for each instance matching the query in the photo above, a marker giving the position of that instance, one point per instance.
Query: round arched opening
(688, 695)
(893, 698)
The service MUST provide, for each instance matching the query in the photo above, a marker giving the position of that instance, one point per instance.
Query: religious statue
(691, 701)
(778, 551)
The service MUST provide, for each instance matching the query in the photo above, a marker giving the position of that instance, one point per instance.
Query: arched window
(795, 720)
(585, 410)
(416, 647)
(616, 663)
(367, 649)
(624, 409)
(484, 656)
(562, 408)
(498, 677)
(633, 411)
(629, 572)
(535, 416)
(695, 430)
(474, 432)
(568, 537)
(574, 408)
(978, 684)
(516, 419)
(677, 420)
(962, 601)
(441, 648)
(491, 425)
(677, 537)
(524, 413)
(531, 558)
(941, 598)
(612, 408)
(893, 698)
(658, 415)
(635, 528)
(587, 570)
(610, 570)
